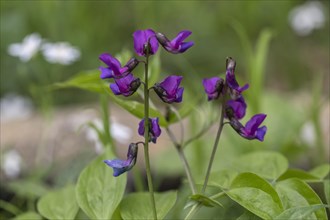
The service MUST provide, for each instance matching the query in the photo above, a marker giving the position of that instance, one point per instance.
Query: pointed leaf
(222, 178)
(321, 171)
(267, 164)
(59, 204)
(327, 190)
(296, 193)
(298, 213)
(300, 174)
(137, 205)
(99, 193)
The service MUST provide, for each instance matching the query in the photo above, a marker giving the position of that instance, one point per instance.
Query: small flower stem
(146, 138)
(215, 146)
(183, 160)
(193, 210)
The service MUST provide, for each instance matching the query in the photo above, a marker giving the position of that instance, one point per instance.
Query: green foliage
(299, 213)
(59, 204)
(205, 201)
(98, 193)
(137, 205)
(29, 216)
(267, 164)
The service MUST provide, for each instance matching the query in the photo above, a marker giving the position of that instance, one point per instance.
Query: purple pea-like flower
(251, 130)
(168, 90)
(233, 85)
(176, 45)
(125, 86)
(145, 42)
(114, 69)
(236, 108)
(154, 129)
(213, 87)
(121, 166)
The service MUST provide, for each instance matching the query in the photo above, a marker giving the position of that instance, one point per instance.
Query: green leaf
(28, 188)
(28, 216)
(297, 213)
(59, 204)
(248, 216)
(222, 178)
(296, 193)
(98, 193)
(300, 174)
(137, 109)
(256, 195)
(87, 80)
(137, 205)
(321, 171)
(267, 164)
(206, 201)
(327, 190)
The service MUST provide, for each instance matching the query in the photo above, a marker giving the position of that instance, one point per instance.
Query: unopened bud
(230, 64)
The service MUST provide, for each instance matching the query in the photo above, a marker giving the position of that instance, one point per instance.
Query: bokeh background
(38, 128)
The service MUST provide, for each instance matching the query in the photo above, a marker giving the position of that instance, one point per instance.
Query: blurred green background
(107, 26)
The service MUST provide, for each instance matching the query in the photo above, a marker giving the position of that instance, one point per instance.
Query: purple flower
(154, 129)
(236, 108)
(251, 130)
(114, 69)
(213, 87)
(143, 40)
(233, 85)
(125, 86)
(176, 45)
(121, 166)
(168, 90)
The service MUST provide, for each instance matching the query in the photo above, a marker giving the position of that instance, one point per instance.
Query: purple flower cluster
(235, 106)
(146, 43)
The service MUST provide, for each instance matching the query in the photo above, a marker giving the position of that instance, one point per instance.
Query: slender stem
(183, 160)
(215, 146)
(193, 210)
(146, 138)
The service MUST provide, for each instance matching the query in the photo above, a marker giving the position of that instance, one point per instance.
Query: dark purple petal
(141, 128)
(176, 42)
(105, 72)
(115, 89)
(185, 46)
(213, 87)
(179, 95)
(252, 125)
(238, 107)
(141, 38)
(261, 133)
(170, 84)
(112, 63)
(155, 127)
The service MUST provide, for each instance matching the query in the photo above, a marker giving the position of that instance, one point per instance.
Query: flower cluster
(146, 43)
(235, 106)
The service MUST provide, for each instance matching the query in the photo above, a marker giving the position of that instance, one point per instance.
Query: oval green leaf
(300, 174)
(256, 195)
(98, 193)
(267, 164)
(299, 213)
(59, 204)
(296, 193)
(137, 205)
(321, 171)
(28, 216)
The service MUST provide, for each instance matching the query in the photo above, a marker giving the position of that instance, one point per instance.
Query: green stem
(193, 210)
(146, 138)
(106, 124)
(184, 161)
(215, 146)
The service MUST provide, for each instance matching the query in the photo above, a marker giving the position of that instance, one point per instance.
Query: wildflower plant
(257, 185)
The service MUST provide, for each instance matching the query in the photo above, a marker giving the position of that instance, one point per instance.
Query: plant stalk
(146, 138)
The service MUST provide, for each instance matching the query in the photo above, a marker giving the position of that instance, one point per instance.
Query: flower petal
(182, 35)
(170, 84)
(105, 72)
(261, 133)
(253, 124)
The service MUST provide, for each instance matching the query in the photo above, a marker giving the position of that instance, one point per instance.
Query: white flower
(307, 17)
(11, 164)
(308, 134)
(61, 52)
(13, 107)
(27, 49)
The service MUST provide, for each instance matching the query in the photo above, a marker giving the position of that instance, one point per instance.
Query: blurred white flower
(11, 164)
(119, 132)
(307, 17)
(61, 52)
(27, 49)
(13, 107)
(308, 134)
